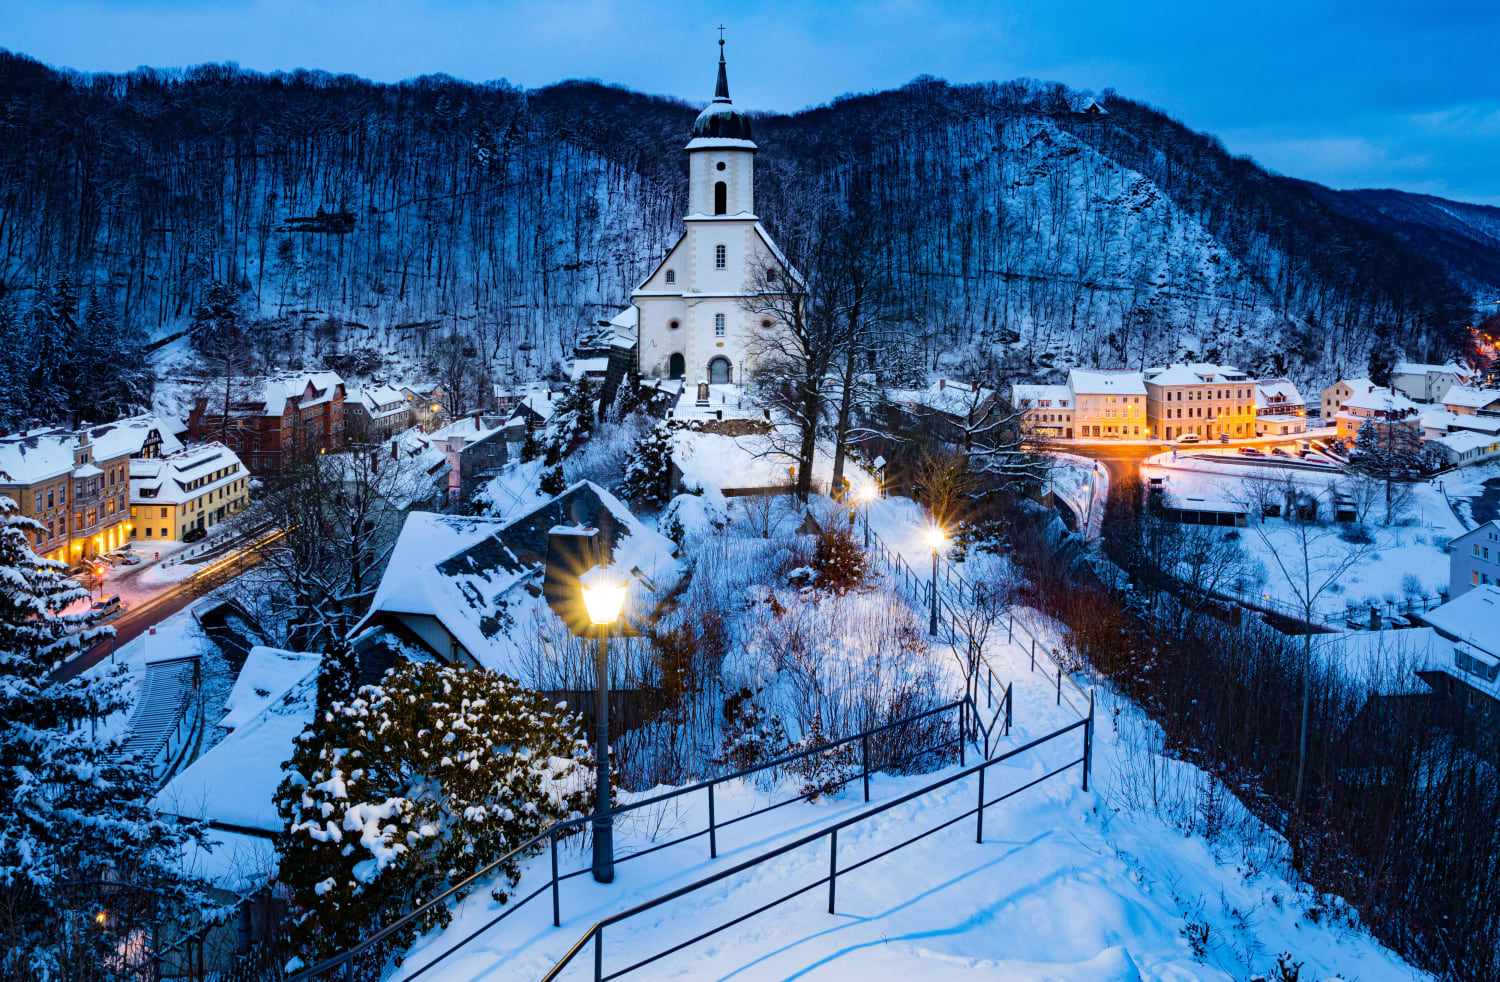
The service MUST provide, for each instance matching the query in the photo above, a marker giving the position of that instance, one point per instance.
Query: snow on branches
(414, 785)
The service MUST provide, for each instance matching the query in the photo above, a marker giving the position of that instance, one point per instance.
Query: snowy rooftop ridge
(130, 435)
(1106, 381)
(1194, 373)
(1421, 368)
(1470, 397)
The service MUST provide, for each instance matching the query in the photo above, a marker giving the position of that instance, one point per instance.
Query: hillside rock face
(1012, 223)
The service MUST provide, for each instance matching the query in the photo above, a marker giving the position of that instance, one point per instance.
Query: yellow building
(187, 491)
(1108, 404)
(1208, 401)
(79, 500)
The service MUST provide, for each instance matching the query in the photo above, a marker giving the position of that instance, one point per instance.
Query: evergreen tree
(338, 673)
(531, 448)
(438, 770)
(85, 866)
(574, 420)
(1381, 363)
(54, 327)
(648, 467)
(553, 483)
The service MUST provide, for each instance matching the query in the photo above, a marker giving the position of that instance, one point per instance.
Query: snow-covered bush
(695, 514)
(413, 785)
(838, 560)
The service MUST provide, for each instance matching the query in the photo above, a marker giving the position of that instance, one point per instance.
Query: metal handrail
(595, 932)
(559, 829)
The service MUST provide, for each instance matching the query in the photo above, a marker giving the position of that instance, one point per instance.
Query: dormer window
(671, 276)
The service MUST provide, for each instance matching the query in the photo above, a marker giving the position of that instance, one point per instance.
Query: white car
(1189, 438)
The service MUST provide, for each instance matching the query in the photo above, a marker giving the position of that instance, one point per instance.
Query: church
(691, 321)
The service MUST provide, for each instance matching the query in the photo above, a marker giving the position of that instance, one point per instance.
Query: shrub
(838, 560)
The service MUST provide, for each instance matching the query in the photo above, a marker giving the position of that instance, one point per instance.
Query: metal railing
(952, 590)
(968, 720)
(596, 932)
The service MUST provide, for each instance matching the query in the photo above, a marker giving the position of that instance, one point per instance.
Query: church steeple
(721, 90)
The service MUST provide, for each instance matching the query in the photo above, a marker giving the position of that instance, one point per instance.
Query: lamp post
(866, 493)
(603, 597)
(935, 538)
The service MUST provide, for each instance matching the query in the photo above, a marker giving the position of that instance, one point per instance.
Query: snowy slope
(1118, 883)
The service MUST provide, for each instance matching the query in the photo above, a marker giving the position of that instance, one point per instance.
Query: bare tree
(457, 365)
(1311, 559)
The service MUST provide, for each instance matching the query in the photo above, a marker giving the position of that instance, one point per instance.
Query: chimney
(476, 420)
(942, 384)
(394, 454)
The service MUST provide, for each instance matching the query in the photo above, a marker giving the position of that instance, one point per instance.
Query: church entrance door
(719, 372)
(676, 365)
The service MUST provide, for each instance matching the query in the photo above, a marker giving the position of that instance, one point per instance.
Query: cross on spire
(721, 35)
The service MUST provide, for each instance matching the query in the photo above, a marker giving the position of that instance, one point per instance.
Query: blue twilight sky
(1379, 93)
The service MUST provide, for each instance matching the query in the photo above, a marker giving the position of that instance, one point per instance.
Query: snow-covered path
(1066, 884)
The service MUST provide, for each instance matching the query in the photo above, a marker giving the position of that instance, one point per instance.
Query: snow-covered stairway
(166, 715)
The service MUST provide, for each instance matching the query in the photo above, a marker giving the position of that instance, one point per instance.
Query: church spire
(721, 90)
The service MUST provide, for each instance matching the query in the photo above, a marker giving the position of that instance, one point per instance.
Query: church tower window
(721, 198)
(718, 325)
(721, 257)
(671, 276)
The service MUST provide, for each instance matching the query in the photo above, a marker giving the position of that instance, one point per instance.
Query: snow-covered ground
(1155, 873)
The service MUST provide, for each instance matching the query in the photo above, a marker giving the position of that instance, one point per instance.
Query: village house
(271, 419)
(476, 449)
(1466, 684)
(78, 497)
(1474, 559)
(180, 496)
(1279, 408)
(1108, 404)
(1463, 400)
(141, 437)
(1047, 410)
(961, 403)
(1427, 383)
(1338, 393)
(1384, 407)
(425, 402)
(376, 413)
(1202, 399)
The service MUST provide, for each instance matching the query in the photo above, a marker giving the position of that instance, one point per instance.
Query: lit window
(721, 257)
(719, 322)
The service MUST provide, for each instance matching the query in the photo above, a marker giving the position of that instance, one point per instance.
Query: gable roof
(1470, 397)
(481, 577)
(1090, 381)
(1471, 618)
(129, 436)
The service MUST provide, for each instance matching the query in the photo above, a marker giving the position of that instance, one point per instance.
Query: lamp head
(867, 492)
(603, 594)
(936, 537)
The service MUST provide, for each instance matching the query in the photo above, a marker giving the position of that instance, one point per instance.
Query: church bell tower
(721, 157)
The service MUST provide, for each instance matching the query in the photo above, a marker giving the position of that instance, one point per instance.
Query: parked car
(1250, 452)
(106, 606)
(124, 557)
(1278, 452)
(1189, 438)
(193, 535)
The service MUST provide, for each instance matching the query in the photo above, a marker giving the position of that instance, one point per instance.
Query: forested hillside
(367, 218)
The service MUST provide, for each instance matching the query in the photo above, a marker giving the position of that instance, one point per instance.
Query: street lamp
(603, 598)
(867, 494)
(935, 538)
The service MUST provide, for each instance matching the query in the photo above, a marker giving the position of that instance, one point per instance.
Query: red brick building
(271, 418)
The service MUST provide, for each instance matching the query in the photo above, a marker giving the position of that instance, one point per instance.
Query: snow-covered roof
(1481, 531)
(1026, 396)
(1419, 368)
(1355, 384)
(235, 782)
(266, 677)
(1195, 373)
(719, 143)
(1386, 660)
(539, 403)
(468, 430)
(1470, 397)
(1090, 381)
(277, 390)
(1471, 618)
(579, 367)
(380, 400)
(129, 436)
(1466, 441)
(948, 396)
(478, 576)
(36, 455)
(1276, 392)
(168, 480)
(1381, 400)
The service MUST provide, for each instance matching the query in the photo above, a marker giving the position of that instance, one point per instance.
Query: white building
(189, 491)
(1047, 410)
(1279, 408)
(1474, 560)
(693, 323)
(1427, 383)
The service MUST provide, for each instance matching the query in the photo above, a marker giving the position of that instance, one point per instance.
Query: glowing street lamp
(936, 538)
(867, 494)
(603, 597)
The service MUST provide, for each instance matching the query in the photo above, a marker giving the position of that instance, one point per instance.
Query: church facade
(692, 322)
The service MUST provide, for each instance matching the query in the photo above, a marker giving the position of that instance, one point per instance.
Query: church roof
(721, 120)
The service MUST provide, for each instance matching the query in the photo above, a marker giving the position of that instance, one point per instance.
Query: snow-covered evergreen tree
(85, 867)
(531, 447)
(553, 483)
(575, 417)
(338, 673)
(414, 785)
(648, 467)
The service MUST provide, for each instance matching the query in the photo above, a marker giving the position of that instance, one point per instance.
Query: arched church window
(718, 325)
(671, 276)
(721, 198)
(721, 257)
